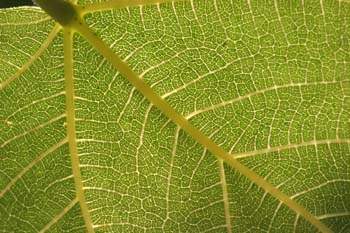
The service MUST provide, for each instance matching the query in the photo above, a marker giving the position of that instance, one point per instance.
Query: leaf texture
(268, 81)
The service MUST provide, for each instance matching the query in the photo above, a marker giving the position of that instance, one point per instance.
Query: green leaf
(193, 116)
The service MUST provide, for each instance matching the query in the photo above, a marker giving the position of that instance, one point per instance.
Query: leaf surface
(266, 81)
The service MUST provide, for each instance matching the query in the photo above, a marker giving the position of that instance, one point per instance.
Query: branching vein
(33, 58)
(80, 26)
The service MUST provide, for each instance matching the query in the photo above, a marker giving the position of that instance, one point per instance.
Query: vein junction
(75, 22)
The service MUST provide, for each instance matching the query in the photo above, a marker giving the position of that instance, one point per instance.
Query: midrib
(68, 74)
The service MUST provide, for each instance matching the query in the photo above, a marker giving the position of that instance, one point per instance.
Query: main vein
(68, 74)
(80, 26)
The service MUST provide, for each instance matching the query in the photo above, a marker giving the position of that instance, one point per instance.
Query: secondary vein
(225, 196)
(32, 59)
(70, 108)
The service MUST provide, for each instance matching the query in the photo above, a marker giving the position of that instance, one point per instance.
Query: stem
(60, 10)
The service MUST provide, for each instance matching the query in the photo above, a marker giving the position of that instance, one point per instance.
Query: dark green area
(60, 10)
(14, 3)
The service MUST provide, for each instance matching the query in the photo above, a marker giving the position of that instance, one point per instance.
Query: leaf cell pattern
(268, 81)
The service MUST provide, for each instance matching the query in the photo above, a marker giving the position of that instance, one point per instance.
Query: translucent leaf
(268, 82)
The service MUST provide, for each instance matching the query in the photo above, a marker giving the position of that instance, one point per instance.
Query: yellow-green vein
(31, 164)
(59, 215)
(70, 109)
(225, 195)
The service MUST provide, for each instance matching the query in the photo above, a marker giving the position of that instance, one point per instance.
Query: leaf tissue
(175, 116)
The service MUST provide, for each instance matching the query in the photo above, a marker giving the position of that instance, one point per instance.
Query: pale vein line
(262, 91)
(35, 102)
(198, 79)
(280, 21)
(70, 109)
(333, 215)
(83, 99)
(31, 164)
(11, 46)
(96, 166)
(126, 105)
(10, 64)
(221, 22)
(27, 23)
(23, 221)
(60, 215)
(214, 228)
(198, 163)
(292, 120)
(142, 19)
(115, 4)
(168, 61)
(206, 188)
(318, 187)
(177, 54)
(121, 224)
(295, 224)
(250, 10)
(342, 107)
(324, 22)
(196, 17)
(33, 58)
(106, 190)
(304, 13)
(33, 129)
(225, 195)
(290, 146)
(58, 181)
(96, 140)
(271, 126)
(272, 221)
(242, 133)
(173, 154)
(110, 191)
(193, 212)
(141, 138)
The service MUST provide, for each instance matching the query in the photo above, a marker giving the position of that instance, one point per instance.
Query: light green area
(29, 28)
(252, 78)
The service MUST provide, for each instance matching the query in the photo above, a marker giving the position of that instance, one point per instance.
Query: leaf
(263, 86)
